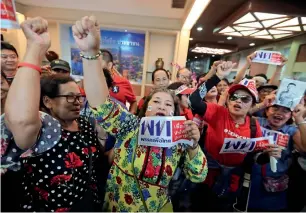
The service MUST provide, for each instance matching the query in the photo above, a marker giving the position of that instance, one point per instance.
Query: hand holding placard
(268, 57)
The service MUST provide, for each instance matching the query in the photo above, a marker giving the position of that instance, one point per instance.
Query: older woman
(57, 151)
(140, 175)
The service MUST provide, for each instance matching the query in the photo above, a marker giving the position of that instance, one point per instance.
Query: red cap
(184, 90)
(246, 84)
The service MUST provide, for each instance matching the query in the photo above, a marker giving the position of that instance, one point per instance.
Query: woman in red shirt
(224, 176)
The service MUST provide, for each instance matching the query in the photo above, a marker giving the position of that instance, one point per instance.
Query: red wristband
(32, 66)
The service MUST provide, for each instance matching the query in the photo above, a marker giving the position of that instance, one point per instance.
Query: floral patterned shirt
(154, 166)
(57, 177)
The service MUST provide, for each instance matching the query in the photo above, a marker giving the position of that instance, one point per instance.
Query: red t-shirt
(220, 126)
(122, 90)
(187, 113)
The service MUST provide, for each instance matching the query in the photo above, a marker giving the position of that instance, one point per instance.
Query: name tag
(163, 131)
(268, 57)
(237, 145)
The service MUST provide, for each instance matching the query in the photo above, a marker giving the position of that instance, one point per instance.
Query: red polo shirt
(122, 90)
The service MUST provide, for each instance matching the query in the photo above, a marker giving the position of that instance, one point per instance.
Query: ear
(47, 102)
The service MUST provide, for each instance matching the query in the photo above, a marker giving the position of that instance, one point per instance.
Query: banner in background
(8, 15)
(127, 49)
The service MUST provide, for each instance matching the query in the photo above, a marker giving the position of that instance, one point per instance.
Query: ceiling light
(125, 30)
(290, 22)
(262, 32)
(196, 57)
(252, 44)
(305, 28)
(199, 28)
(303, 19)
(213, 55)
(247, 33)
(244, 28)
(281, 36)
(233, 34)
(296, 28)
(264, 16)
(251, 24)
(246, 18)
(272, 22)
(278, 32)
(197, 9)
(209, 50)
(227, 30)
(264, 37)
(229, 38)
(190, 39)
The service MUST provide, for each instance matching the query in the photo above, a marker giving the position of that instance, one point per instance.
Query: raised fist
(86, 33)
(224, 69)
(36, 33)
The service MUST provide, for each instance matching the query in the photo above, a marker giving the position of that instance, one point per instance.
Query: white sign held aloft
(8, 15)
(163, 131)
(290, 93)
(268, 57)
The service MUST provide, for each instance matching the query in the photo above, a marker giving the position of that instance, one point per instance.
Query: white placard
(268, 57)
(8, 15)
(279, 138)
(237, 145)
(290, 93)
(162, 131)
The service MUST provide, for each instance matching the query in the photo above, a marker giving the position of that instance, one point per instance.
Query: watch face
(115, 89)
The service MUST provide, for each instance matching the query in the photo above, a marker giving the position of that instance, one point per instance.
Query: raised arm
(274, 80)
(197, 104)
(212, 71)
(300, 136)
(86, 33)
(241, 73)
(22, 104)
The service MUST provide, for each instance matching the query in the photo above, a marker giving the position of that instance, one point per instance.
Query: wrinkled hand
(192, 131)
(250, 58)
(299, 111)
(274, 151)
(36, 33)
(86, 33)
(269, 99)
(284, 61)
(224, 69)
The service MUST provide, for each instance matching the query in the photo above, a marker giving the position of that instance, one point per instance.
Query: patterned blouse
(154, 166)
(56, 169)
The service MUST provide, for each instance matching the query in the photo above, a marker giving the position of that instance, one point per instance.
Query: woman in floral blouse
(153, 166)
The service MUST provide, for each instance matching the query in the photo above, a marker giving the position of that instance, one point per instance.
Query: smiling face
(9, 60)
(161, 104)
(278, 116)
(212, 93)
(239, 103)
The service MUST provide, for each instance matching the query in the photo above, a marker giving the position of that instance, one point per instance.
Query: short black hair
(108, 78)
(226, 81)
(107, 56)
(153, 73)
(8, 46)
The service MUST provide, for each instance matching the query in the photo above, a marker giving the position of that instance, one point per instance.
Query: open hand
(224, 69)
(299, 112)
(284, 61)
(86, 33)
(192, 131)
(36, 33)
(250, 58)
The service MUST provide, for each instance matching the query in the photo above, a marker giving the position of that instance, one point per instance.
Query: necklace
(237, 125)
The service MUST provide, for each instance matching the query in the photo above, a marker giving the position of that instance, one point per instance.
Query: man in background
(184, 76)
(122, 89)
(9, 61)
(60, 66)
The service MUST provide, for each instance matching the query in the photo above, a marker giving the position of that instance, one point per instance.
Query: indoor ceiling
(156, 8)
(220, 18)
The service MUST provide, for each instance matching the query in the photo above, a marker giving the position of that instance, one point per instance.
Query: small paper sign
(8, 15)
(163, 131)
(278, 137)
(237, 145)
(268, 57)
(290, 93)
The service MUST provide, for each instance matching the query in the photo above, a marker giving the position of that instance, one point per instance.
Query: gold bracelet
(91, 57)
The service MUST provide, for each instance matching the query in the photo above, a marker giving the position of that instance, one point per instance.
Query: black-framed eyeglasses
(244, 98)
(72, 98)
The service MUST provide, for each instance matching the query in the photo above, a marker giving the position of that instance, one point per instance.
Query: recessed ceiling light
(213, 55)
(199, 28)
(252, 44)
(233, 34)
(229, 38)
(190, 39)
(125, 30)
(196, 57)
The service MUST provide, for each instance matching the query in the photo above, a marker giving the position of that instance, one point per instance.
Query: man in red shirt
(122, 89)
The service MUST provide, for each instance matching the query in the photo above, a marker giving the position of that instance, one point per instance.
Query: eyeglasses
(72, 98)
(244, 98)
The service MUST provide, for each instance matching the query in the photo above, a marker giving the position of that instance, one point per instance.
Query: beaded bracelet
(91, 57)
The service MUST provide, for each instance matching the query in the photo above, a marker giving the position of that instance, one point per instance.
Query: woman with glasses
(222, 185)
(269, 189)
(56, 151)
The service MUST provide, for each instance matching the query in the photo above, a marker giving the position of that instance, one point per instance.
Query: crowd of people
(73, 146)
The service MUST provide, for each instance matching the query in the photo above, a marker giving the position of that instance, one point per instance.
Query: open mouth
(160, 114)
(237, 107)
(277, 118)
